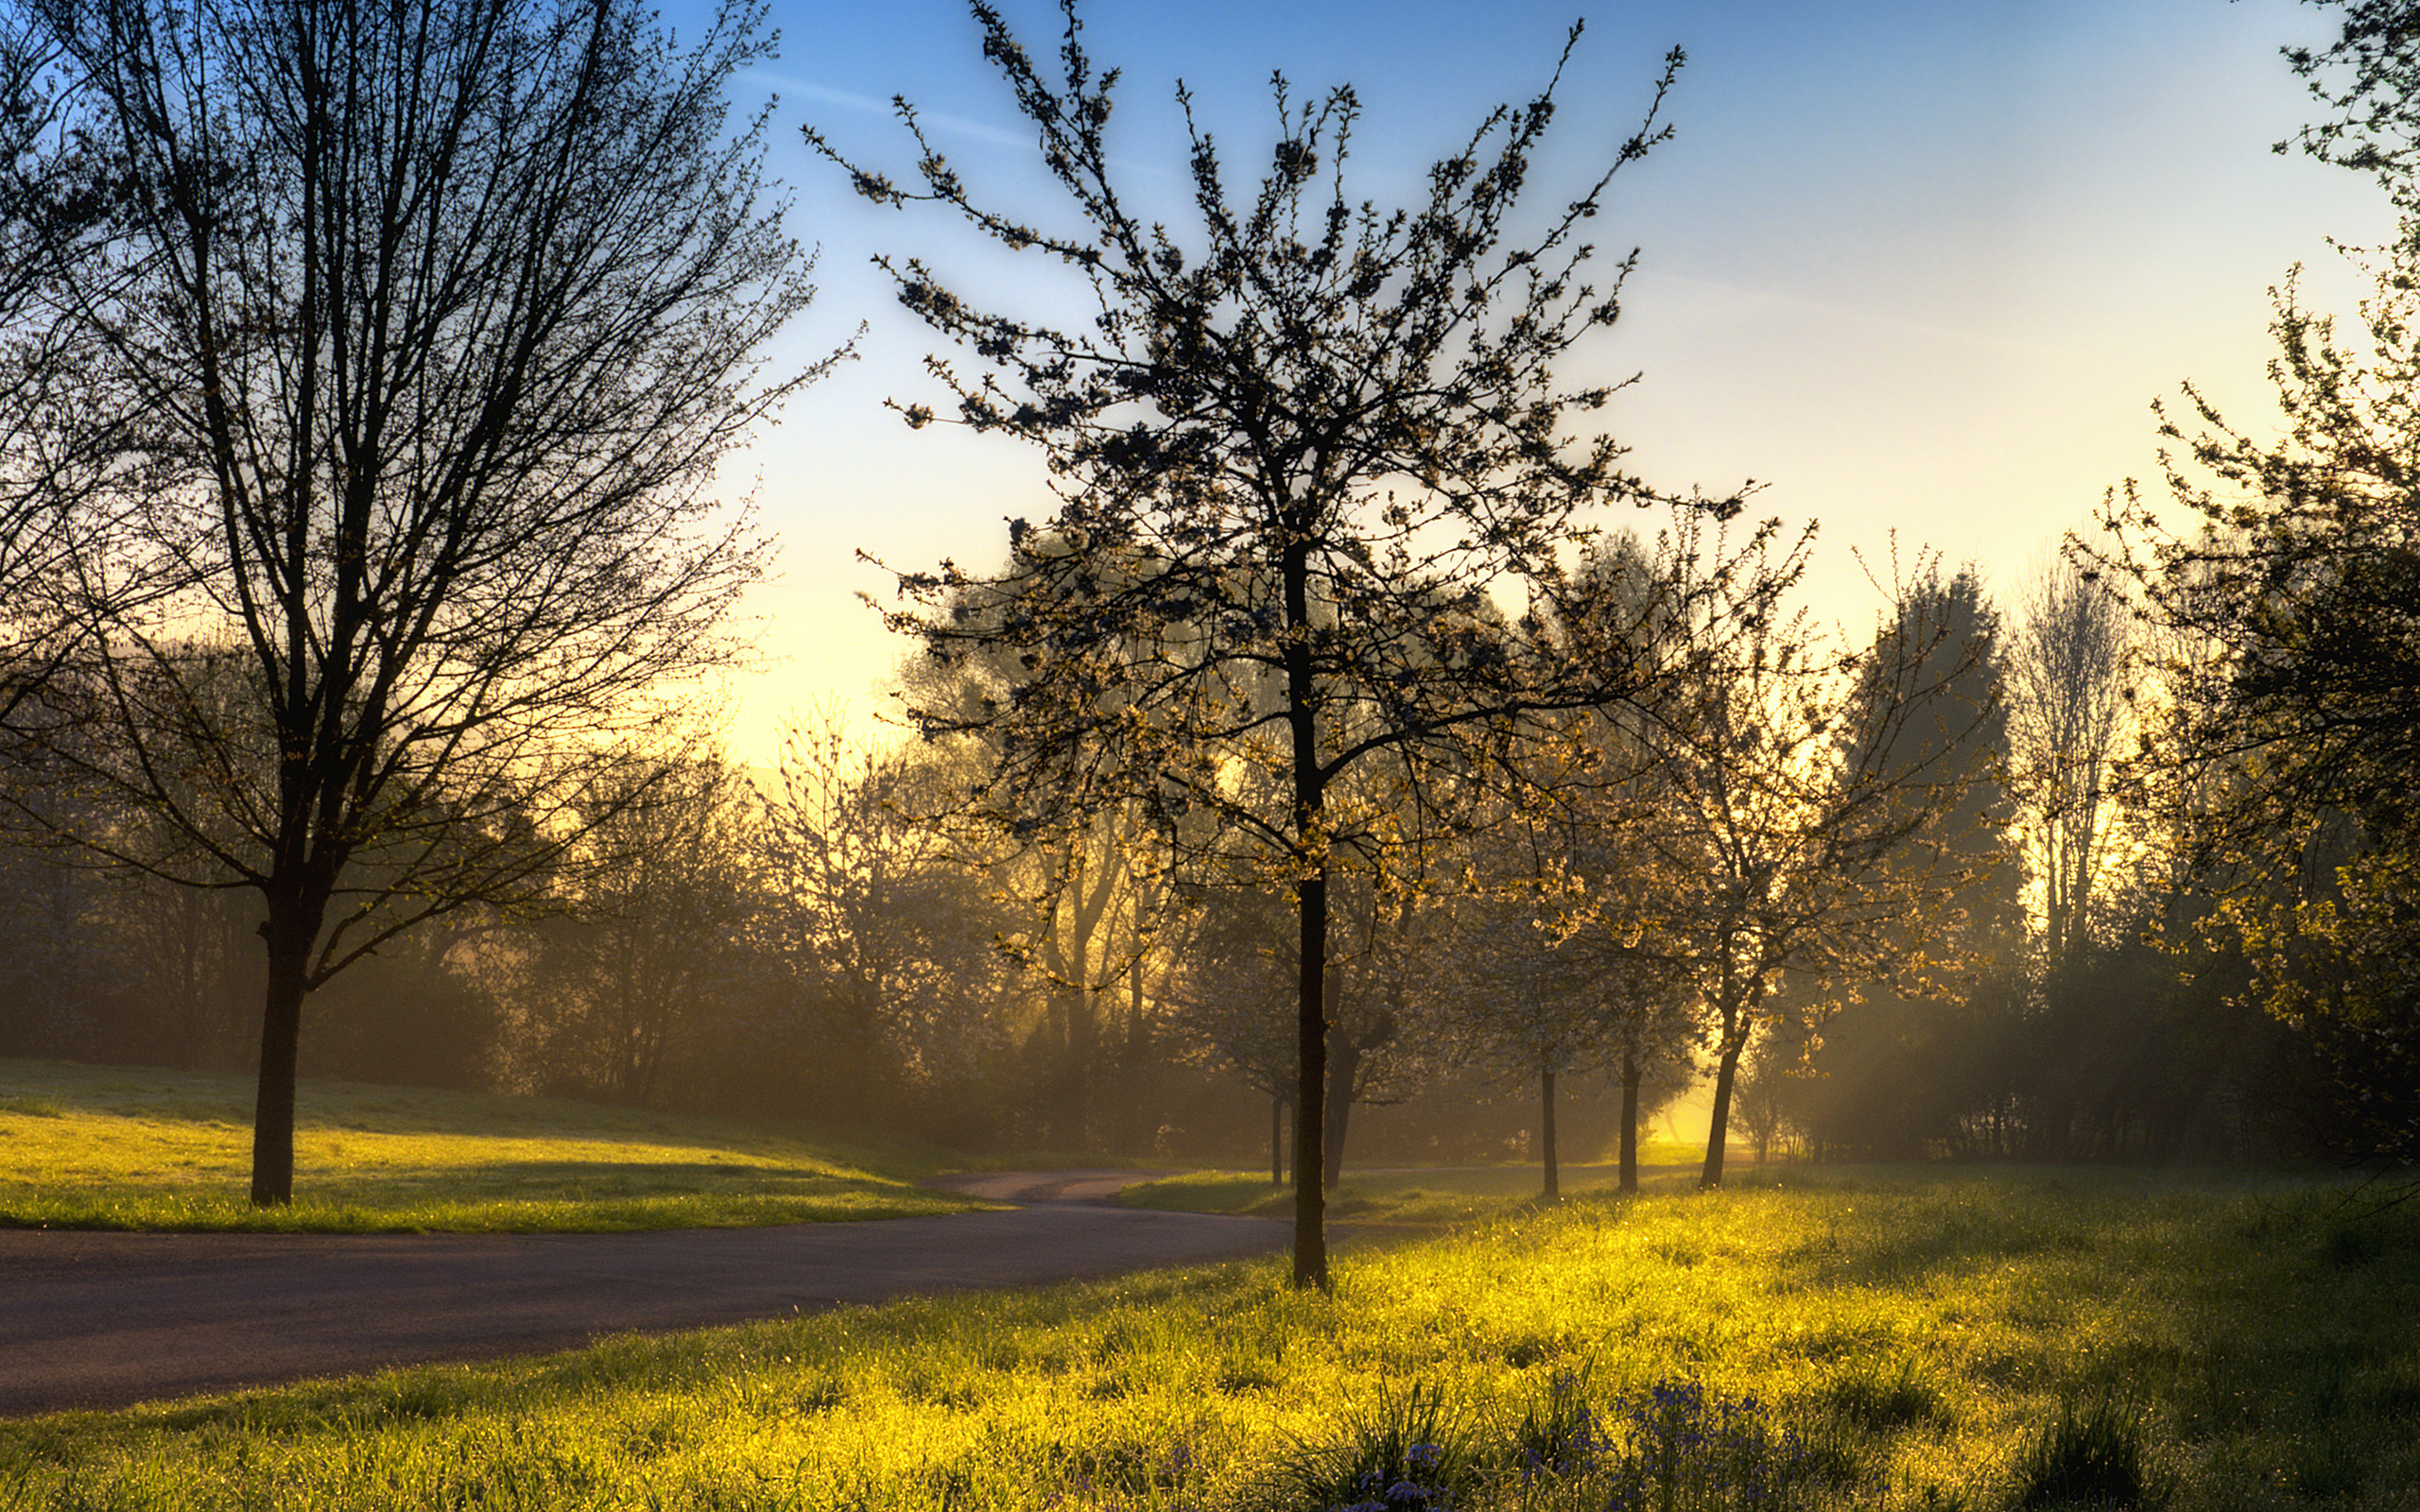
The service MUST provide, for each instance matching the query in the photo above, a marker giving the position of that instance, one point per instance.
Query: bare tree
(1295, 460)
(884, 922)
(416, 333)
(2068, 708)
(54, 190)
(652, 948)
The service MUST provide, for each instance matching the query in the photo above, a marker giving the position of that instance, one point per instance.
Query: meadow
(1878, 1338)
(122, 1147)
(1450, 1195)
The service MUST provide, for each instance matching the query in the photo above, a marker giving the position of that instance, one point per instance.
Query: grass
(1883, 1339)
(113, 1147)
(1441, 1196)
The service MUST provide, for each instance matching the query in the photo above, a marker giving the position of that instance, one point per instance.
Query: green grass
(1898, 1340)
(113, 1147)
(1444, 1196)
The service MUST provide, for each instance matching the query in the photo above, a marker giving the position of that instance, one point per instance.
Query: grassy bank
(1975, 1341)
(117, 1147)
(1448, 1195)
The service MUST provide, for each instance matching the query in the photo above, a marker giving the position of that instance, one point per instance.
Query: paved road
(105, 1319)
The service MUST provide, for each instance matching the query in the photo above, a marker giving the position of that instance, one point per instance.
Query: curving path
(106, 1319)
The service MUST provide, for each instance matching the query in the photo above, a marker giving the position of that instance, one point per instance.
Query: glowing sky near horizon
(1913, 265)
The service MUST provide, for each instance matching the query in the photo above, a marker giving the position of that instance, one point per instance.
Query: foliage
(2013, 1291)
(2289, 758)
(142, 1148)
(2365, 80)
(1296, 460)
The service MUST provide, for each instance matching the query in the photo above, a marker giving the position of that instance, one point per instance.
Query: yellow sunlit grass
(114, 1147)
(1409, 1196)
(1891, 1339)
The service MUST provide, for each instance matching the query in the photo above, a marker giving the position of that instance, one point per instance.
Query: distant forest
(839, 942)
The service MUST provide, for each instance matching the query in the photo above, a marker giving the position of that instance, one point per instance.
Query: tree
(1294, 459)
(1236, 1010)
(48, 201)
(416, 333)
(887, 931)
(1611, 899)
(2287, 755)
(1551, 957)
(1534, 1013)
(652, 949)
(1889, 1082)
(1235, 1003)
(1092, 896)
(1807, 794)
(2294, 617)
(2067, 705)
(2368, 80)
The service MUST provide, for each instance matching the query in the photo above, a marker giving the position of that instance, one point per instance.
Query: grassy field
(1926, 1340)
(115, 1147)
(1449, 1195)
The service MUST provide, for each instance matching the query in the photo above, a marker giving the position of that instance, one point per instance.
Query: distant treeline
(827, 943)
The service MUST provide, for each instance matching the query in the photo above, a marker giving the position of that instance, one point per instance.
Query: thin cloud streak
(942, 121)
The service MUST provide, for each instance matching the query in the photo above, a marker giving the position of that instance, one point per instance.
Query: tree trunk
(1134, 1135)
(1345, 1065)
(1310, 1100)
(289, 940)
(1083, 1047)
(1630, 1121)
(1545, 1131)
(1277, 1142)
(1726, 1073)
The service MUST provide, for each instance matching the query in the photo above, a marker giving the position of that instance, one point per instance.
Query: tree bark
(1725, 1073)
(289, 931)
(1310, 1102)
(1630, 1121)
(1545, 1131)
(1344, 1064)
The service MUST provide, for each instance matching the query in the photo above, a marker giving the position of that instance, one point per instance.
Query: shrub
(1405, 1453)
(1560, 1433)
(2092, 1457)
(1879, 1401)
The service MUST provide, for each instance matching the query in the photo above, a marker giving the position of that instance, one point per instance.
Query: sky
(1916, 267)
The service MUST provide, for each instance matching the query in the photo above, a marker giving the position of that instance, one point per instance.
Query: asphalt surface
(107, 1319)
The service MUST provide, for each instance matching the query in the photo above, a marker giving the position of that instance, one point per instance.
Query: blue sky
(1917, 266)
